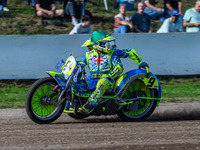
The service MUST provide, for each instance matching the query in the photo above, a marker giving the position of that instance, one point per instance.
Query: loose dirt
(171, 126)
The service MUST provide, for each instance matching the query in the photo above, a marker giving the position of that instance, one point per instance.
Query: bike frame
(121, 84)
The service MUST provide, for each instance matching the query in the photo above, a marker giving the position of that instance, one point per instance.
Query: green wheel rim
(40, 109)
(137, 88)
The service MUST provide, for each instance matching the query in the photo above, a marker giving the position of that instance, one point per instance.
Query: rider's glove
(143, 65)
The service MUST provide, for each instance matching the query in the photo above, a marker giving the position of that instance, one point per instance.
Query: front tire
(145, 107)
(38, 108)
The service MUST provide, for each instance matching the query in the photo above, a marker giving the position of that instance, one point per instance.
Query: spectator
(75, 8)
(172, 24)
(170, 5)
(47, 9)
(1, 7)
(84, 27)
(122, 21)
(5, 8)
(152, 10)
(191, 20)
(141, 21)
(33, 3)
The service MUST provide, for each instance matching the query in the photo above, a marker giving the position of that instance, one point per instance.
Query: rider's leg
(103, 85)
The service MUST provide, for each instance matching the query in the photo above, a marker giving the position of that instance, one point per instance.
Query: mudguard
(152, 81)
(59, 78)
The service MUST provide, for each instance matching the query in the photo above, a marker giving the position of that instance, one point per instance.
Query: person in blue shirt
(141, 21)
(1, 7)
(152, 10)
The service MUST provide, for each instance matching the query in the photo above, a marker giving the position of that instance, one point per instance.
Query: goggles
(108, 45)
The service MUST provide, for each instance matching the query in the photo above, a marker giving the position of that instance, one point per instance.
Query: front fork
(60, 99)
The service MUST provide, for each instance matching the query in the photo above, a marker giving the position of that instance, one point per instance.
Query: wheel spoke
(40, 108)
(137, 89)
(39, 101)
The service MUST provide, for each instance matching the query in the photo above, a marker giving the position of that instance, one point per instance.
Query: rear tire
(145, 107)
(39, 110)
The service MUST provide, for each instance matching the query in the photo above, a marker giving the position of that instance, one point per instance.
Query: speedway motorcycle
(135, 96)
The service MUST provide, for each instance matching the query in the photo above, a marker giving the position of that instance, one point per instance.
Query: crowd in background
(171, 15)
(3, 6)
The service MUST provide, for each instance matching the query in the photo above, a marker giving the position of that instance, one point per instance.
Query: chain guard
(107, 108)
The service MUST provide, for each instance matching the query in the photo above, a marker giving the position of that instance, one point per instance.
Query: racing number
(151, 82)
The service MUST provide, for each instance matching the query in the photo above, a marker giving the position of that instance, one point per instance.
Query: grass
(21, 19)
(181, 90)
(12, 94)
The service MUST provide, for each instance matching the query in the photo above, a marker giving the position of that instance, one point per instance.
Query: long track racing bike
(134, 98)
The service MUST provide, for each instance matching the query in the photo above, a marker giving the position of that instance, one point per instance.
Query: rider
(104, 64)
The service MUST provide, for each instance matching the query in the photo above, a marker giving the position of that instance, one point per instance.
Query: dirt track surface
(171, 126)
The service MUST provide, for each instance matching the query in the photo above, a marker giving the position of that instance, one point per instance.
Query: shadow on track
(165, 112)
(175, 115)
(176, 111)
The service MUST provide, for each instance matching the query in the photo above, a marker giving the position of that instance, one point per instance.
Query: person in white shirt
(82, 28)
(172, 24)
(191, 19)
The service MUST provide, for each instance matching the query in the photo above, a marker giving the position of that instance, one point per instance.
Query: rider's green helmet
(103, 41)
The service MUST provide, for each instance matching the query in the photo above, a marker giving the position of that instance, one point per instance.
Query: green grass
(12, 95)
(181, 90)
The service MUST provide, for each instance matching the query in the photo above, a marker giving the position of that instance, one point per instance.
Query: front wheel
(40, 99)
(139, 110)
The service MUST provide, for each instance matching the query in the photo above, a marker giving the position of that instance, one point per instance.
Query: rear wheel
(40, 99)
(139, 110)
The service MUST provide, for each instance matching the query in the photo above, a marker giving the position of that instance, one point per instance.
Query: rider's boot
(86, 108)
(69, 110)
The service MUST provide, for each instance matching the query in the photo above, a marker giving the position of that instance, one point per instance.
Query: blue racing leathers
(104, 68)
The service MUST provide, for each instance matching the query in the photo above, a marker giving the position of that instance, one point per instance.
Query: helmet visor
(108, 45)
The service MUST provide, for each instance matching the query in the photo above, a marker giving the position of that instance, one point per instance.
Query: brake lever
(147, 69)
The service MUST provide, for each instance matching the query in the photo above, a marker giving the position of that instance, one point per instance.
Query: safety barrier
(29, 56)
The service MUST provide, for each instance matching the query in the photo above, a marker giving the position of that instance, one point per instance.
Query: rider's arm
(131, 53)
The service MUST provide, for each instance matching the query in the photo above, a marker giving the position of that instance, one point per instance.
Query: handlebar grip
(147, 69)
